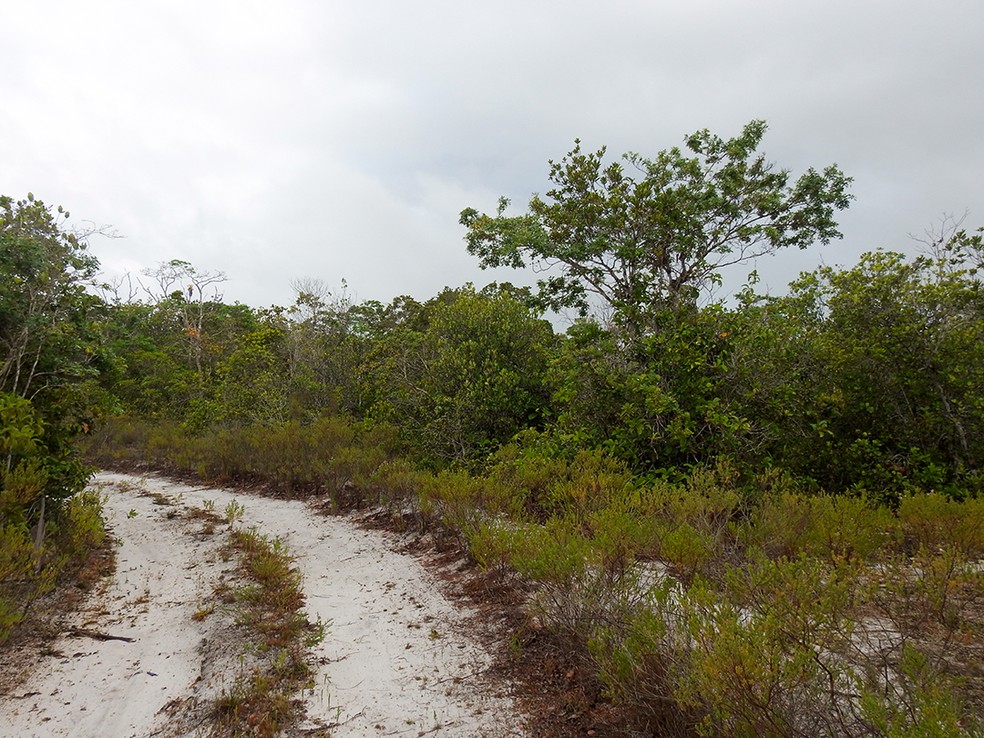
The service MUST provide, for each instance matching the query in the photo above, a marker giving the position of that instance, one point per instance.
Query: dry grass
(261, 702)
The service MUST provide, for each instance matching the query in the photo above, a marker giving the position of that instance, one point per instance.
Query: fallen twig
(96, 635)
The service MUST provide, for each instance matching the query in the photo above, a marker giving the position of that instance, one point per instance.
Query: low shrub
(830, 527)
(621, 535)
(262, 701)
(493, 543)
(639, 661)
(933, 521)
(717, 603)
(18, 573)
(916, 703)
(395, 482)
(557, 486)
(291, 458)
(762, 654)
(687, 551)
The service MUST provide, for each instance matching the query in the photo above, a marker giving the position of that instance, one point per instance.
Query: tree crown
(641, 234)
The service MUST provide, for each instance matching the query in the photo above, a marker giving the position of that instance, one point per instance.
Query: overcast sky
(340, 139)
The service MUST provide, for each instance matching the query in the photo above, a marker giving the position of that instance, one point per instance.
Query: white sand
(396, 660)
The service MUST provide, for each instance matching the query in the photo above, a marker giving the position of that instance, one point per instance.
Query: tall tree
(326, 345)
(191, 294)
(654, 234)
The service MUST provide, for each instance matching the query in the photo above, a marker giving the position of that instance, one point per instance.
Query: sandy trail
(397, 659)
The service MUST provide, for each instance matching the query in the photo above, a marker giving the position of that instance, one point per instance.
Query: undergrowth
(28, 571)
(717, 604)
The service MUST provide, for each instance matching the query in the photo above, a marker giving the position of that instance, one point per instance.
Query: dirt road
(397, 659)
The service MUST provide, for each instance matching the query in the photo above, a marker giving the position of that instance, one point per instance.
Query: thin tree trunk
(39, 534)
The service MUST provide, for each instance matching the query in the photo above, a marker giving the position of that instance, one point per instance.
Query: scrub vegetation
(761, 517)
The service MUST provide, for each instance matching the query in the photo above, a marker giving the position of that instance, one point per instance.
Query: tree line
(865, 379)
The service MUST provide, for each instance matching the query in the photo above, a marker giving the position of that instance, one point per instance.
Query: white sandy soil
(397, 659)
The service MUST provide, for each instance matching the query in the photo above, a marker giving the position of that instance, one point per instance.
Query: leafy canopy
(51, 356)
(656, 232)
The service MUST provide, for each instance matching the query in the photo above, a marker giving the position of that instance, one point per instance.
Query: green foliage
(695, 522)
(576, 593)
(757, 520)
(639, 661)
(18, 567)
(933, 521)
(918, 705)
(292, 458)
(460, 502)
(775, 645)
(835, 528)
(261, 702)
(869, 378)
(189, 311)
(687, 550)
(37, 542)
(23, 476)
(251, 387)
(80, 526)
(397, 483)
(28, 571)
(762, 658)
(274, 600)
(50, 347)
(199, 361)
(555, 553)
(464, 376)
(943, 581)
(493, 543)
(45, 313)
(906, 349)
(557, 486)
(656, 403)
(757, 645)
(327, 345)
(621, 535)
(642, 244)
(934, 591)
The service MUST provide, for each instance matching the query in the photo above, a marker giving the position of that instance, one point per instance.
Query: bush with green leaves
(868, 379)
(546, 485)
(916, 703)
(639, 660)
(19, 579)
(935, 521)
(51, 352)
(655, 403)
(575, 593)
(30, 567)
(762, 657)
(462, 375)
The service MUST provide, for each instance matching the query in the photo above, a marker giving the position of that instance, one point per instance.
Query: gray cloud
(275, 141)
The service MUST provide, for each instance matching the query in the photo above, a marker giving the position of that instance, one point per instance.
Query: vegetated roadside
(718, 605)
(237, 655)
(45, 607)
